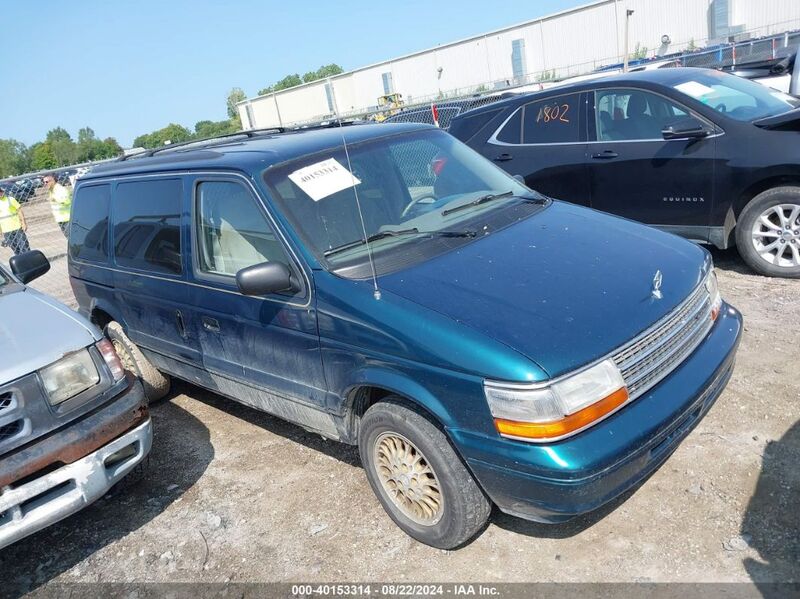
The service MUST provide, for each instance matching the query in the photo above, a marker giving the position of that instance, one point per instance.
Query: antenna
(376, 292)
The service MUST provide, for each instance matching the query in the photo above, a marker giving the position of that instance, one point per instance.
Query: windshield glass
(413, 188)
(735, 97)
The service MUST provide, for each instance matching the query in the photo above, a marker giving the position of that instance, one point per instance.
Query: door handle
(180, 323)
(605, 155)
(210, 324)
(503, 157)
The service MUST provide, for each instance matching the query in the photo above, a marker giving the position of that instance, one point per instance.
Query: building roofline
(434, 48)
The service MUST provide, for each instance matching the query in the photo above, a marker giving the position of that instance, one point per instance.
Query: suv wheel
(419, 479)
(156, 385)
(768, 232)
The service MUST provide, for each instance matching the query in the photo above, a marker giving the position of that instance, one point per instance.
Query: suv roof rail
(249, 134)
(204, 143)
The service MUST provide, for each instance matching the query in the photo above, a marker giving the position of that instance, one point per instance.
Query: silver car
(73, 422)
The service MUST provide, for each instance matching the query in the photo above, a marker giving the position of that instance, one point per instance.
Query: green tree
(58, 134)
(172, 134)
(42, 156)
(111, 148)
(235, 96)
(285, 83)
(203, 129)
(13, 157)
(639, 53)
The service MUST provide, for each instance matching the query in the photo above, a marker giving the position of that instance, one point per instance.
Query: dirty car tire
(455, 508)
(156, 385)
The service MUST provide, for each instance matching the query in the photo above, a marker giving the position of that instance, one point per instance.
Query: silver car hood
(35, 331)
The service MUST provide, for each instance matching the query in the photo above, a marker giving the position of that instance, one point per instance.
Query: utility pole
(628, 13)
(277, 108)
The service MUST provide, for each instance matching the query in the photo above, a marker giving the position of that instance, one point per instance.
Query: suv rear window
(88, 231)
(147, 233)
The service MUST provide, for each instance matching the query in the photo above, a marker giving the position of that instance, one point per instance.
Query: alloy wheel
(776, 235)
(408, 479)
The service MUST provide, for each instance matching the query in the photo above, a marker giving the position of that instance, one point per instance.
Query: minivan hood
(36, 331)
(564, 287)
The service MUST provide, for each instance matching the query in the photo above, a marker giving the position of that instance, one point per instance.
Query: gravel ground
(231, 494)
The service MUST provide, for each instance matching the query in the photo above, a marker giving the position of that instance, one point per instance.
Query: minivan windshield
(735, 97)
(416, 189)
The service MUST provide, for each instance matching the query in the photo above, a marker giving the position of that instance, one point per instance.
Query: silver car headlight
(558, 409)
(71, 375)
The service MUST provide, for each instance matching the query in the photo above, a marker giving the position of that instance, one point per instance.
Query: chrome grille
(6, 400)
(659, 350)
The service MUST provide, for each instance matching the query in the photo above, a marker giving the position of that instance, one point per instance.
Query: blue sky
(126, 68)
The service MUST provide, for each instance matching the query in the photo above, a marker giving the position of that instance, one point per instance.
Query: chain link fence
(34, 214)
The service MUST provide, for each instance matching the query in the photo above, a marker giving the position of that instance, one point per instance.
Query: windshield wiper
(492, 196)
(399, 233)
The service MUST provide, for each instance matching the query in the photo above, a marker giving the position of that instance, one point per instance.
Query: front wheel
(156, 384)
(768, 232)
(419, 479)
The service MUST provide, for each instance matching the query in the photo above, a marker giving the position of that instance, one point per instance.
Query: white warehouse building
(567, 43)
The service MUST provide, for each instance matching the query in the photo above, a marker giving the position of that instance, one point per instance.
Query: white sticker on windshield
(694, 89)
(321, 179)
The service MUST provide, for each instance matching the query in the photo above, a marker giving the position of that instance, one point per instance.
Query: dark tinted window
(554, 120)
(466, 127)
(512, 130)
(147, 231)
(88, 231)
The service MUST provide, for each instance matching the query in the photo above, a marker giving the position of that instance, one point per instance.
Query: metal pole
(628, 13)
(277, 109)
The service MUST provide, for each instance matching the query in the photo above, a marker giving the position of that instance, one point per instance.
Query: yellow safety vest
(60, 202)
(9, 215)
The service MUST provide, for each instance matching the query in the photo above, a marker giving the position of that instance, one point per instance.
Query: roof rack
(249, 134)
(204, 143)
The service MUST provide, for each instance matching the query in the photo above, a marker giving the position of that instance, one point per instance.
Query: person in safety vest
(60, 197)
(12, 224)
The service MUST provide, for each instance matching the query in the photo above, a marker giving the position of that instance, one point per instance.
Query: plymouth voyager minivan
(388, 287)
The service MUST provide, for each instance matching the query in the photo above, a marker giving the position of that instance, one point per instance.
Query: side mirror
(264, 278)
(29, 265)
(519, 178)
(686, 128)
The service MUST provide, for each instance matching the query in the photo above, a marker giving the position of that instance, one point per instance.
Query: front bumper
(35, 502)
(556, 481)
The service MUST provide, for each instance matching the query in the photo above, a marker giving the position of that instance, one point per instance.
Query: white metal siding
(569, 43)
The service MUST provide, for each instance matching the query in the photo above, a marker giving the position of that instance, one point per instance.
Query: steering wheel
(721, 108)
(416, 201)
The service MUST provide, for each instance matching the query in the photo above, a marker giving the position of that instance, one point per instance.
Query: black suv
(707, 155)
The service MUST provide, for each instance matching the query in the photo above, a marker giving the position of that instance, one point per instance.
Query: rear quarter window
(88, 232)
(147, 216)
(468, 126)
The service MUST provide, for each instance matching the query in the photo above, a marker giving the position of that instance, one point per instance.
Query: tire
(754, 236)
(156, 385)
(447, 519)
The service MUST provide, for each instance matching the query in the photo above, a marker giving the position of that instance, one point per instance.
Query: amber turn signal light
(565, 426)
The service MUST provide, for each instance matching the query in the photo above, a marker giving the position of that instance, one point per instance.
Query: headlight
(559, 409)
(713, 291)
(69, 376)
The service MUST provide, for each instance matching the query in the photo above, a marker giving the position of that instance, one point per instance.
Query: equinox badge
(657, 285)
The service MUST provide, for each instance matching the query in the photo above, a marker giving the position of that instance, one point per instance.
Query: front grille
(5, 400)
(659, 350)
(11, 430)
